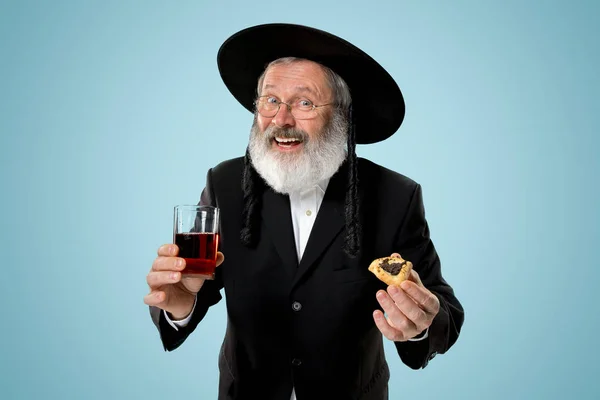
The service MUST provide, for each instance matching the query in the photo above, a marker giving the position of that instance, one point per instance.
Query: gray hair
(341, 92)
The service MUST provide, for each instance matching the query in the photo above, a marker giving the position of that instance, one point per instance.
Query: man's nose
(284, 116)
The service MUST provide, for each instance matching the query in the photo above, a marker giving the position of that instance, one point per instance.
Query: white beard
(319, 159)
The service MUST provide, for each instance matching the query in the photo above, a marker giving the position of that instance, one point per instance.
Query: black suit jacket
(309, 325)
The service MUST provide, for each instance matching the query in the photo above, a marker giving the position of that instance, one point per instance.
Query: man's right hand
(168, 289)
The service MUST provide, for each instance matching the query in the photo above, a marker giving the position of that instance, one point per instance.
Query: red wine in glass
(199, 251)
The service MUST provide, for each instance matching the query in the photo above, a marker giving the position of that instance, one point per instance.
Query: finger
(220, 258)
(422, 296)
(168, 264)
(395, 316)
(155, 298)
(408, 306)
(395, 255)
(168, 250)
(157, 279)
(385, 328)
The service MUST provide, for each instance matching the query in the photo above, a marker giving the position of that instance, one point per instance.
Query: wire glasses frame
(301, 109)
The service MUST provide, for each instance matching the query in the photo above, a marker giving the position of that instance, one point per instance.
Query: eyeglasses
(268, 106)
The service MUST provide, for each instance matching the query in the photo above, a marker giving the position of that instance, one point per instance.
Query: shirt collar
(320, 186)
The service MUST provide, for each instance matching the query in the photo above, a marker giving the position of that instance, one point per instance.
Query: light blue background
(111, 112)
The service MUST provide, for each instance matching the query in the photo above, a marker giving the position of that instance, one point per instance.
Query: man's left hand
(410, 309)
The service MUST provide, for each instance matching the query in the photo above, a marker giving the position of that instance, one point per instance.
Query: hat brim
(377, 102)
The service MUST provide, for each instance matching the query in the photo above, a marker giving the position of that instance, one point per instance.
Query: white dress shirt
(304, 207)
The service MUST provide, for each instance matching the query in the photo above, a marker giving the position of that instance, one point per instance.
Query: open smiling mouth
(287, 143)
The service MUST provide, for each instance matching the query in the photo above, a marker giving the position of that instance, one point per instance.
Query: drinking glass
(196, 233)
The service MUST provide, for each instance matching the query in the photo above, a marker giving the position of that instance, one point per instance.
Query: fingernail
(393, 290)
(179, 263)
(405, 285)
(174, 276)
(380, 295)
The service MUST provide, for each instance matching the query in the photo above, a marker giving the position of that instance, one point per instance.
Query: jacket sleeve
(414, 244)
(208, 295)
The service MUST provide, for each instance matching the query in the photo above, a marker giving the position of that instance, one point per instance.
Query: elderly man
(302, 218)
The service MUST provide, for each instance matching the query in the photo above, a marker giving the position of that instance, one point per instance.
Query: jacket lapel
(328, 224)
(277, 220)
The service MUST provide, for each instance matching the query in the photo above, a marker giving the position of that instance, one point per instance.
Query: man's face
(295, 154)
(293, 83)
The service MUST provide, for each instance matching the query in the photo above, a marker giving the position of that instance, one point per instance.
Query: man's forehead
(301, 76)
(297, 88)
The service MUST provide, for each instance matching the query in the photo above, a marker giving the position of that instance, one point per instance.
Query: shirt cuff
(181, 323)
(425, 336)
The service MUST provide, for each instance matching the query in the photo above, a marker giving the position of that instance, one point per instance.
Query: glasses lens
(303, 114)
(266, 108)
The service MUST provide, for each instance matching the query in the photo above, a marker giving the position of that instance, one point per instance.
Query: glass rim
(194, 206)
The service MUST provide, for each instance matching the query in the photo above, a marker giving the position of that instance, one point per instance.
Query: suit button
(296, 306)
(296, 362)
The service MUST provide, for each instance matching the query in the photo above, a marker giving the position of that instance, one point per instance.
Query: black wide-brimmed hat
(377, 102)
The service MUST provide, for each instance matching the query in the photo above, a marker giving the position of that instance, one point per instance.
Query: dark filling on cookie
(392, 268)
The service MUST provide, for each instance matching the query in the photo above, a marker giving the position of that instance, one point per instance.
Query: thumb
(414, 276)
(220, 258)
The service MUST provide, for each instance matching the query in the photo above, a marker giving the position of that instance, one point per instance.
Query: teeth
(284, 140)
